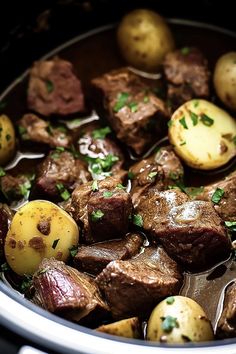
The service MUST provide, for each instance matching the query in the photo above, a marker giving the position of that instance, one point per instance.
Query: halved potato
(40, 229)
(202, 134)
(128, 328)
(7, 139)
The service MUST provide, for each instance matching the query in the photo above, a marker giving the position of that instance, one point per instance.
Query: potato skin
(128, 328)
(224, 79)
(202, 134)
(40, 229)
(7, 139)
(144, 39)
(192, 323)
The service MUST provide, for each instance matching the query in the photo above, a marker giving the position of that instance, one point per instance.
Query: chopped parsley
(137, 220)
(25, 189)
(63, 191)
(231, 225)
(133, 107)
(217, 195)
(121, 101)
(8, 137)
(193, 191)
(170, 123)
(151, 175)
(42, 271)
(22, 130)
(194, 118)
(73, 251)
(95, 186)
(101, 166)
(131, 175)
(174, 176)
(60, 149)
(145, 99)
(101, 133)
(62, 129)
(120, 186)
(26, 283)
(183, 122)
(183, 143)
(170, 300)
(49, 129)
(185, 50)
(107, 194)
(4, 267)
(49, 86)
(55, 242)
(2, 172)
(206, 120)
(196, 104)
(169, 323)
(97, 215)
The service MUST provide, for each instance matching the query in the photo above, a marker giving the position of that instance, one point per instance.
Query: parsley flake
(146, 99)
(183, 122)
(97, 215)
(231, 225)
(183, 143)
(63, 191)
(8, 137)
(5, 267)
(170, 123)
(120, 186)
(137, 220)
(49, 86)
(107, 194)
(169, 323)
(95, 186)
(151, 175)
(206, 120)
(194, 118)
(55, 242)
(22, 130)
(101, 133)
(73, 251)
(131, 175)
(185, 50)
(170, 300)
(133, 107)
(2, 172)
(217, 195)
(121, 101)
(26, 283)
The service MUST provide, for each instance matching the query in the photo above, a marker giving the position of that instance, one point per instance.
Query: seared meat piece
(135, 113)
(226, 207)
(6, 216)
(15, 187)
(54, 88)
(186, 71)
(60, 170)
(103, 211)
(93, 259)
(226, 327)
(190, 231)
(65, 291)
(38, 130)
(135, 286)
(158, 170)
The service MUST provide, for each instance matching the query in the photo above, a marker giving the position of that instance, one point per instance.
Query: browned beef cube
(94, 258)
(65, 291)
(6, 216)
(135, 286)
(60, 171)
(159, 171)
(15, 187)
(54, 88)
(190, 231)
(137, 116)
(186, 71)
(38, 130)
(226, 207)
(226, 326)
(103, 210)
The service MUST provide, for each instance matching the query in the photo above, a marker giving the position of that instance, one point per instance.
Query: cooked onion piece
(40, 229)
(202, 134)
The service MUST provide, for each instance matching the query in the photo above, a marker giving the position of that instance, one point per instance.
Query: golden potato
(7, 139)
(128, 328)
(179, 319)
(224, 79)
(144, 39)
(202, 134)
(40, 229)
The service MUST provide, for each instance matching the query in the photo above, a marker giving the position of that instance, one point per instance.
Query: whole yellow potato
(40, 229)
(224, 79)
(7, 139)
(144, 39)
(179, 319)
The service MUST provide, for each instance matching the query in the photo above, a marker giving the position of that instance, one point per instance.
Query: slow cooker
(28, 32)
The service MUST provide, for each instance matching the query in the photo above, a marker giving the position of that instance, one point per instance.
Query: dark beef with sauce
(137, 116)
(226, 205)
(60, 171)
(187, 74)
(54, 88)
(102, 208)
(160, 170)
(133, 287)
(6, 216)
(65, 291)
(190, 231)
(15, 187)
(35, 129)
(226, 326)
(94, 258)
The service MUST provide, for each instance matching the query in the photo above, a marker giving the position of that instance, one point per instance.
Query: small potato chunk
(40, 229)
(144, 39)
(202, 134)
(128, 328)
(179, 319)
(7, 139)
(224, 79)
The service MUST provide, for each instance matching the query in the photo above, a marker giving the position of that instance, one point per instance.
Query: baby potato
(128, 328)
(179, 319)
(7, 139)
(202, 134)
(40, 229)
(144, 39)
(224, 79)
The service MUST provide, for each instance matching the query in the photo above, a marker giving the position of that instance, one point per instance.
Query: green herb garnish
(194, 191)
(73, 251)
(25, 189)
(151, 175)
(120, 186)
(170, 123)
(196, 104)
(231, 225)
(194, 118)
(49, 86)
(217, 195)
(183, 122)
(170, 300)
(145, 99)
(133, 106)
(97, 215)
(169, 323)
(121, 101)
(107, 194)
(63, 191)
(185, 50)
(26, 283)
(49, 129)
(206, 120)
(183, 143)
(8, 137)
(55, 242)
(2, 172)
(131, 175)
(101, 133)
(22, 130)
(174, 176)
(95, 186)
(101, 166)
(137, 220)
(5, 267)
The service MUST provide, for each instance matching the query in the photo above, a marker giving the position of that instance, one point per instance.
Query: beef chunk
(135, 286)
(134, 112)
(65, 291)
(226, 208)
(54, 88)
(38, 130)
(15, 187)
(187, 75)
(60, 170)
(190, 231)
(159, 171)
(226, 327)
(103, 211)
(93, 259)
(6, 216)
